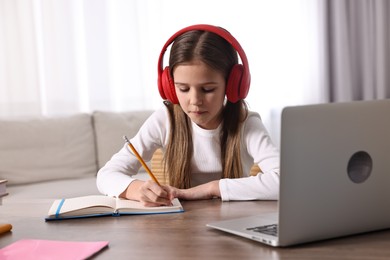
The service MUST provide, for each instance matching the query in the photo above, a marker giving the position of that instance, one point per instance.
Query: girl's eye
(183, 89)
(208, 90)
(204, 89)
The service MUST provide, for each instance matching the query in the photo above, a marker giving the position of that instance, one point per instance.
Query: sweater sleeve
(117, 174)
(258, 146)
(264, 186)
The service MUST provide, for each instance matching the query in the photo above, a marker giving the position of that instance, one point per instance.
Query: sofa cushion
(55, 189)
(43, 149)
(110, 128)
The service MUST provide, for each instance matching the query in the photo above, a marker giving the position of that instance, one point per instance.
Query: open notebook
(334, 179)
(101, 205)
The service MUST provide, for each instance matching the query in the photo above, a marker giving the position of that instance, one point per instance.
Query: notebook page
(92, 204)
(124, 205)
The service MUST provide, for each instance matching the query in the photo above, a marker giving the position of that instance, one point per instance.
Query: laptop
(334, 175)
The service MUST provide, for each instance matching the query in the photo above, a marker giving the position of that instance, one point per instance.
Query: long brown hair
(218, 54)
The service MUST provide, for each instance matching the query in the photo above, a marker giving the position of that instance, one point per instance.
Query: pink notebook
(50, 249)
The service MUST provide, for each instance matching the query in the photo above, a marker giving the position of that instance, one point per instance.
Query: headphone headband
(244, 78)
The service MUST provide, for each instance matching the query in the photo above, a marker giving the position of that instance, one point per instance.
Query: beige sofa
(58, 157)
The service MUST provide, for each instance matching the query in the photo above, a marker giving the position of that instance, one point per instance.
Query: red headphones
(238, 83)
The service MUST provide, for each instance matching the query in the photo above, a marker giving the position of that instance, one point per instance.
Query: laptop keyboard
(268, 229)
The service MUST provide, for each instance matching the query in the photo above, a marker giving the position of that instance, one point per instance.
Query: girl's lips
(198, 112)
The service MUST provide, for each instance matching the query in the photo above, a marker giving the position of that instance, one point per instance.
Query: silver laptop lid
(335, 167)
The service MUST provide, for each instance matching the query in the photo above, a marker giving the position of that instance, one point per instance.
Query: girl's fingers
(154, 195)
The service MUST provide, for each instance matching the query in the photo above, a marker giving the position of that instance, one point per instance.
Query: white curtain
(69, 56)
(359, 49)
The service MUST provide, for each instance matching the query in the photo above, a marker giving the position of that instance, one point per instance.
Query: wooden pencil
(141, 160)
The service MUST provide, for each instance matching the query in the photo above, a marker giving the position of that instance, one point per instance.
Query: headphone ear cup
(237, 87)
(234, 83)
(245, 84)
(167, 90)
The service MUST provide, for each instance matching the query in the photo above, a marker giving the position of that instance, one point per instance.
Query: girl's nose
(196, 98)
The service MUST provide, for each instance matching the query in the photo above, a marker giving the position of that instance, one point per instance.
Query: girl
(209, 138)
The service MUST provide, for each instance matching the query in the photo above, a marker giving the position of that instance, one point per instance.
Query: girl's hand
(149, 193)
(205, 191)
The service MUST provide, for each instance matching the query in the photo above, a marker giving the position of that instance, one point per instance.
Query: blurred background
(61, 57)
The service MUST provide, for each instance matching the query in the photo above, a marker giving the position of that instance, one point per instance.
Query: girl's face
(201, 93)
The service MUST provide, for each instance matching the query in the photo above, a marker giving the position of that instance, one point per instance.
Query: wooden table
(180, 235)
